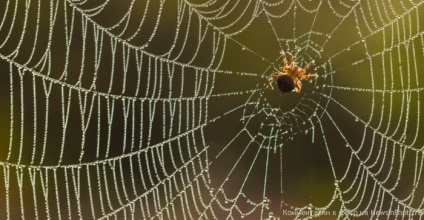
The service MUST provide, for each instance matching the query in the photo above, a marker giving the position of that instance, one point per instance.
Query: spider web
(160, 109)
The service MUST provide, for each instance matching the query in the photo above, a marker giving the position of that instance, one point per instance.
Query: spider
(288, 79)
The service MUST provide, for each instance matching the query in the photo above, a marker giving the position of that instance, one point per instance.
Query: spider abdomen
(285, 83)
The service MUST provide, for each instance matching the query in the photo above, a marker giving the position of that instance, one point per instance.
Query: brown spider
(288, 79)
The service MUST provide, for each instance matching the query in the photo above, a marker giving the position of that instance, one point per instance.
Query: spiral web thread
(160, 109)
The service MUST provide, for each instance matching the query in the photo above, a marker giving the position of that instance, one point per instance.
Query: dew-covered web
(161, 109)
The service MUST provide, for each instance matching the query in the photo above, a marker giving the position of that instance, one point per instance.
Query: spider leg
(309, 65)
(270, 85)
(284, 57)
(291, 58)
(286, 69)
(271, 79)
(298, 86)
(308, 76)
